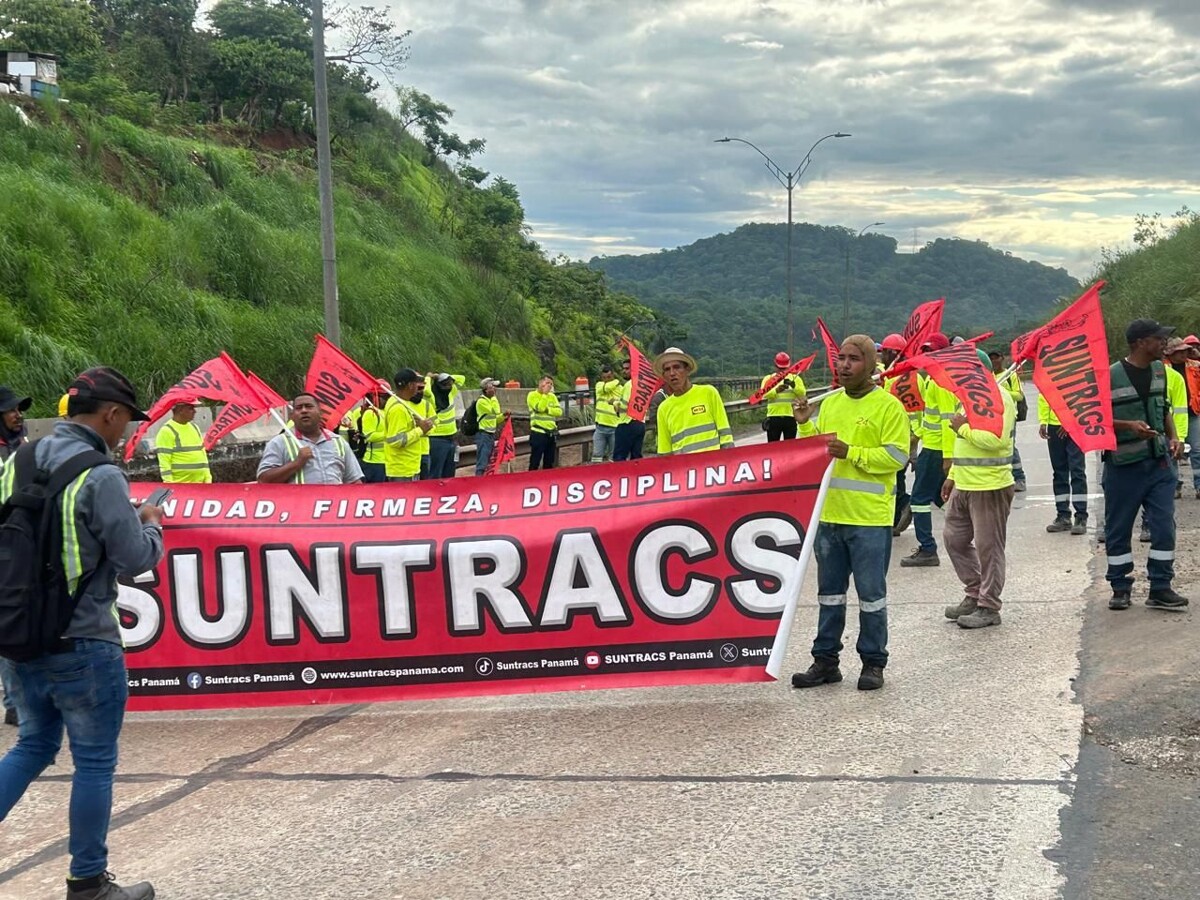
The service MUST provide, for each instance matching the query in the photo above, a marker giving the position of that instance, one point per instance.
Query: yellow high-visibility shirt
(939, 407)
(1178, 400)
(402, 446)
(862, 489)
(544, 410)
(487, 409)
(982, 461)
(444, 424)
(779, 399)
(608, 393)
(693, 422)
(181, 455)
(1046, 415)
(374, 431)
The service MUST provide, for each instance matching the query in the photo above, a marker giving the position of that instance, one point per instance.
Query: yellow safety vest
(444, 424)
(374, 431)
(779, 400)
(939, 407)
(487, 409)
(1178, 399)
(693, 422)
(982, 461)
(402, 446)
(624, 418)
(544, 410)
(607, 395)
(291, 449)
(862, 487)
(181, 456)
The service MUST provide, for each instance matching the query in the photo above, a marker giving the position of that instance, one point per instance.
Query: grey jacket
(112, 540)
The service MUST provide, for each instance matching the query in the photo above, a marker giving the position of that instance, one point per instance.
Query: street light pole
(333, 328)
(789, 180)
(846, 288)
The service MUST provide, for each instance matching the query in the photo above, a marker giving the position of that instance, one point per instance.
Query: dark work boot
(1080, 526)
(967, 606)
(1062, 522)
(921, 557)
(1119, 600)
(10, 717)
(871, 678)
(1166, 599)
(108, 889)
(903, 521)
(1144, 534)
(824, 670)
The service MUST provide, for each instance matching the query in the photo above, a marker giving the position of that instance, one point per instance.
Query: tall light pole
(789, 180)
(846, 289)
(333, 328)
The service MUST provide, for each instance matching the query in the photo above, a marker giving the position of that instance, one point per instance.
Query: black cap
(105, 383)
(1146, 328)
(10, 401)
(995, 353)
(407, 376)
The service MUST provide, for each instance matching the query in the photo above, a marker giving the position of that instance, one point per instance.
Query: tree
(61, 27)
(368, 39)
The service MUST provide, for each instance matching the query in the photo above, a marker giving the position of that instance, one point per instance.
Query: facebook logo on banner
(194, 681)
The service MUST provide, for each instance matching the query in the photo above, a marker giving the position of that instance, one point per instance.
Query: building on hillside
(33, 74)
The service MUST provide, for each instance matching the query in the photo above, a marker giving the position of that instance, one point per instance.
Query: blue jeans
(1018, 469)
(863, 551)
(8, 700)
(83, 690)
(543, 450)
(1149, 483)
(441, 457)
(1193, 438)
(484, 442)
(629, 441)
(1070, 473)
(926, 493)
(604, 442)
(374, 473)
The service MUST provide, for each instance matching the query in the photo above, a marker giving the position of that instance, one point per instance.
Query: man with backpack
(482, 421)
(67, 530)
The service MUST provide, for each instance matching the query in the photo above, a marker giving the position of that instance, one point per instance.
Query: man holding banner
(1139, 472)
(854, 538)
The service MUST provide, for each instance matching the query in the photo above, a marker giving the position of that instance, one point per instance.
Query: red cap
(1192, 340)
(937, 341)
(782, 360)
(892, 342)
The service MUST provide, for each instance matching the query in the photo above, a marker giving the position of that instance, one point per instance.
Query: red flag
(794, 369)
(907, 389)
(959, 370)
(645, 382)
(832, 349)
(1070, 368)
(218, 379)
(236, 414)
(337, 381)
(925, 320)
(505, 449)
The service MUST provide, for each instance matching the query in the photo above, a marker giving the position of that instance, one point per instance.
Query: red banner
(218, 379)
(645, 382)
(832, 349)
(234, 415)
(924, 321)
(660, 571)
(1070, 368)
(337, 381)
(504, 450)
(907, 388)
(769, 385)
(959, 370)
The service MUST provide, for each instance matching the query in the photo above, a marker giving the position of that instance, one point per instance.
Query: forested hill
(169, 210)
(728, 290)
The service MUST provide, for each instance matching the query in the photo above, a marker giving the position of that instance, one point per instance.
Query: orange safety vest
(1193, 387)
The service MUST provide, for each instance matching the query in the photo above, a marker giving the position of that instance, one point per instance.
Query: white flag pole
(779, 648)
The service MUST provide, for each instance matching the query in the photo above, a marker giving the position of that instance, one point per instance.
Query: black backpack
(35, 605)
(470, 420)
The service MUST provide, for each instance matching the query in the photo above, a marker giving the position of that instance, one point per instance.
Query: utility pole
(333, 328)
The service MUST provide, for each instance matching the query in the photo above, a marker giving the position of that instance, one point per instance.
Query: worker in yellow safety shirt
(443, 389)
(929, 472)
(978, 494)
(692, 418)
(780, 424)
(854, 538)
(491, 418)
(544, 412)
(405, 429)
(1068, 466)
(1012, 384)
(371, 427)
(608, 396)
(180, 445)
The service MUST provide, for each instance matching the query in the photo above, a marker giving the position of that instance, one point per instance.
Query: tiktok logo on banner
(484, 666)
(194, 681)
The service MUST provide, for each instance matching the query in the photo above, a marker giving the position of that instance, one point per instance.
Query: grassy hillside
(152, 252)
(728, 290)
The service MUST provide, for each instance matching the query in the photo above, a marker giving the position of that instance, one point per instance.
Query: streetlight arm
(799, 171)
(772, 166)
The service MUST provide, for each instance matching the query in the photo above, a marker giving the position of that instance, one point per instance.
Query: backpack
(35, 605)
(470, 420)
(356, 439)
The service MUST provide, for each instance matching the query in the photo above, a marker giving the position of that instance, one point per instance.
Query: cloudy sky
(1039, 126)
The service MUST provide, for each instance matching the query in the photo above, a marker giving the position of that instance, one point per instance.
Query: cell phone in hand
(159, 496)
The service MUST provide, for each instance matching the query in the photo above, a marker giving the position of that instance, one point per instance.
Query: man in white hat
(692, 417)
(182, 458)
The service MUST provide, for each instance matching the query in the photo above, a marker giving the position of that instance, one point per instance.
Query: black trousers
(780, 428)
(543, 450)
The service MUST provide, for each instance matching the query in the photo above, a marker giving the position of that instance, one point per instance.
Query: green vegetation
(170, 211)
(728, 290)
(1158, 278)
